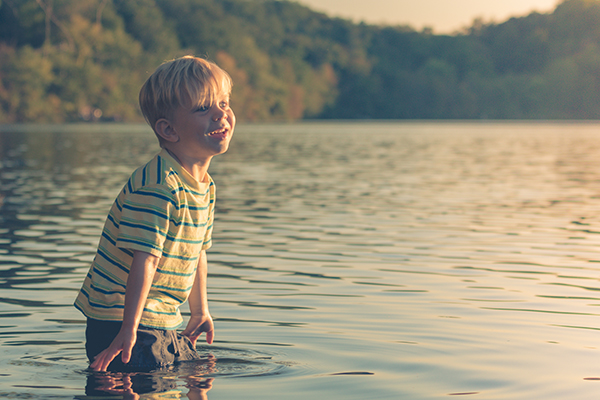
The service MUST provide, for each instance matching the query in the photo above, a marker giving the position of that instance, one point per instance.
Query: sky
(443, 16)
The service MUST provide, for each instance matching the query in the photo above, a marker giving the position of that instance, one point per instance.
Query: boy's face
(205, 130)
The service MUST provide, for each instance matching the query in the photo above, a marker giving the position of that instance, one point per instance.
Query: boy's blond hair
(183, 82)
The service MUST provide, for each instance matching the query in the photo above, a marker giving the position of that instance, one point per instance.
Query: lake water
(350, 261)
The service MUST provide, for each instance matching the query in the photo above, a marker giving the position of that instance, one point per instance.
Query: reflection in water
(365, 260)
(127, 385)
(197, 376)
(193, 376)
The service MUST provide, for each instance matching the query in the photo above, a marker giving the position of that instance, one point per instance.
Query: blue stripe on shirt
(113, 262)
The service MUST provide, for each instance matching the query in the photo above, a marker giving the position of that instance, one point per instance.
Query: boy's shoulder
(163, 175)
(151, 176)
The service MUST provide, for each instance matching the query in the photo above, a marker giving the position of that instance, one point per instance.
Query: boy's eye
(202, 108)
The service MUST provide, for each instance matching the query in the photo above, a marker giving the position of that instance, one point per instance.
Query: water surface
(350, 261)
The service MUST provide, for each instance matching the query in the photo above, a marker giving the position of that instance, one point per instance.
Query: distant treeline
(73, 60)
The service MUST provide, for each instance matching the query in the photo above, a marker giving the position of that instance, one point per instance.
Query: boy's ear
(165, 130)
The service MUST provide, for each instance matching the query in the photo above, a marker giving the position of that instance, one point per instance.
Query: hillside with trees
(85, 60)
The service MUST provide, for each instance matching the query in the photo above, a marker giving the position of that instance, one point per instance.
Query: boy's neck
(196, 168)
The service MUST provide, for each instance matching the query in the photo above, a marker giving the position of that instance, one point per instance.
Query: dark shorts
(154, 348)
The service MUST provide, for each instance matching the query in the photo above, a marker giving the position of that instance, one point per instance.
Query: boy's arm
(139, 282)
(200, 321)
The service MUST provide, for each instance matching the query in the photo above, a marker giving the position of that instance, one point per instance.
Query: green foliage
(22, 23)
(71, 60)
(25, 79)
(518, 45)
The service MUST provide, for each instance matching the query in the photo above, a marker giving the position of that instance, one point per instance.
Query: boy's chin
(223, 151)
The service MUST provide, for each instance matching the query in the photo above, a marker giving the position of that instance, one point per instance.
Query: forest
(85, 60)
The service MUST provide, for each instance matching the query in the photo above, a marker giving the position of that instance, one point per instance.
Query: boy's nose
(219, 114)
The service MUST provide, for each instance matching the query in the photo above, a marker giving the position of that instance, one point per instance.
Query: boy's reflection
(130, 385)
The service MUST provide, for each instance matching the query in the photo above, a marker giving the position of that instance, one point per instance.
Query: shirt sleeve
(145, 219)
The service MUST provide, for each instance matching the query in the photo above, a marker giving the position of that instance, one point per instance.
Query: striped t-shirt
(164, 211)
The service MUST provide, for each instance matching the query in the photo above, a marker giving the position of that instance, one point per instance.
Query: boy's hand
(123, 343)
(197, 325)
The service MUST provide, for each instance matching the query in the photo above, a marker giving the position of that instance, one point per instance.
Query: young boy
(152, 253)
